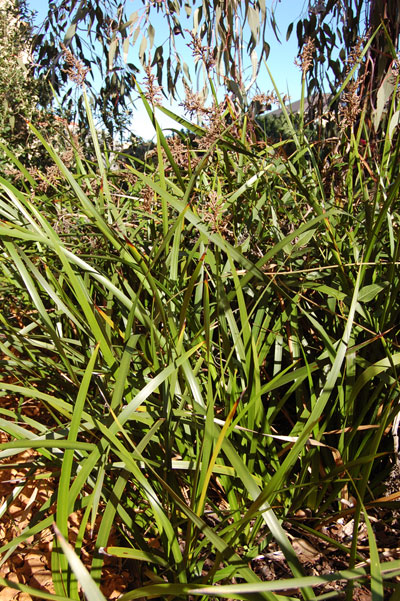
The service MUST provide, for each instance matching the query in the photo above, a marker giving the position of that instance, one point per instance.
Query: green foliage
(20, 93)
(338, 32)
(212, 339)
(276, 129)
(215, 33)
(209, 29)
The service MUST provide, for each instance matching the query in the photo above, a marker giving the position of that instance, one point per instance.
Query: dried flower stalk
(350, 106)
(201, 52)
(75, 71)
(153, 92)
(306, 57)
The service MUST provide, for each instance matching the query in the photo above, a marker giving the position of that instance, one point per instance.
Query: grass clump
(210, 342)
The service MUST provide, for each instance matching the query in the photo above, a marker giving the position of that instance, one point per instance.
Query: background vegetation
(199, 350)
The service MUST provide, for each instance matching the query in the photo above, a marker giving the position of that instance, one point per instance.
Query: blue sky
(280, 62)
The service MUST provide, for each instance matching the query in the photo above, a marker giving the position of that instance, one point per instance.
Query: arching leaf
(254, 23)
(142, 49)
(151, 33)
(111, 53)
(70, 33)
(394, 121)
(125, 49)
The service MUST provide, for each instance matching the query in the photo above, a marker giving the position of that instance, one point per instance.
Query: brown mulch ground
(29, 562)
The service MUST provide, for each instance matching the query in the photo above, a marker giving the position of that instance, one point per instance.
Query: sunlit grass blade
(64, 482)
(88, 585)
(30, 590)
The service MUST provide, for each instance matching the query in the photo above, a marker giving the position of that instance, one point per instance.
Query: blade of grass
(89, 587)
(62, 580)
